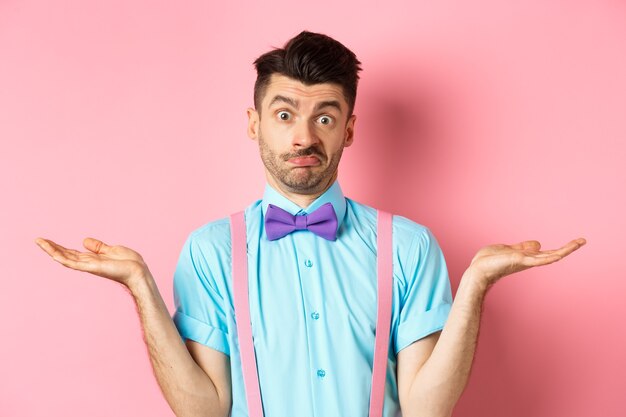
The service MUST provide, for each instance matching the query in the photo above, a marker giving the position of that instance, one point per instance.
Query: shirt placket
(309, 268)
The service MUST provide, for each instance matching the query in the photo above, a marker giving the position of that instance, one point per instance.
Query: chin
(310, 186)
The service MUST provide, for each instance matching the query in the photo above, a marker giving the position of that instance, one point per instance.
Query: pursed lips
(304, 161)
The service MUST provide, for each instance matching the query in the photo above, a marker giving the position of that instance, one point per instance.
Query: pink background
(487, 121)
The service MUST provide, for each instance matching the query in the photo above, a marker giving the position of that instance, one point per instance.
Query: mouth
(304, 161)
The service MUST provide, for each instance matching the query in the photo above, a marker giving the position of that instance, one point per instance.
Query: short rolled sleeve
(425, 297)
(200, 313)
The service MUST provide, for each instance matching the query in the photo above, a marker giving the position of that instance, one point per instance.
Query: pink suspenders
(242, 314)
(383, 320)
(244, 326)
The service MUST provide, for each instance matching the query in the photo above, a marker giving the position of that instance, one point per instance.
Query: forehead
(281, 85)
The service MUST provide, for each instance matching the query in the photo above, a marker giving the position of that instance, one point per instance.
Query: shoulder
(209, 243)
(404, 230)
(216, 234)
(205, 253)
(413, 243)
(412, 240)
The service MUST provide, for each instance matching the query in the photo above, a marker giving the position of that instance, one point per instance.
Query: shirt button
(315, 315)
(321, 373)
(308, 263)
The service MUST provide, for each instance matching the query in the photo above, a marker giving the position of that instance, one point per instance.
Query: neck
(302, 199)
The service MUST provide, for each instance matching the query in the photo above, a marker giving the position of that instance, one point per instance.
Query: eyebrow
(329, 103)
(283, 99)
(294, 103)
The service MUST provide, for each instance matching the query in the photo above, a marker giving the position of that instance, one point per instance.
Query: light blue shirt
(312, 305)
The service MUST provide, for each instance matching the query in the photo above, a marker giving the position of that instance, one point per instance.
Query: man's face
(301, 130)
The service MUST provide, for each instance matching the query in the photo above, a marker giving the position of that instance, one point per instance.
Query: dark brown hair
(311, 58)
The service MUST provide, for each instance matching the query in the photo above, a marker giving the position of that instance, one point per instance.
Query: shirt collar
(333, 195)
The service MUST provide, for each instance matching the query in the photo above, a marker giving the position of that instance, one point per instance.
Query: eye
(325, 120)
(284, 115)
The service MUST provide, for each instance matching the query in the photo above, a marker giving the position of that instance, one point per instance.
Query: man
(312, 295)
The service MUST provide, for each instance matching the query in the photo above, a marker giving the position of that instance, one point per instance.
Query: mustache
(312, 151)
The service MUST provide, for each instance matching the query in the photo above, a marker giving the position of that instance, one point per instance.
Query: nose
(304, 135)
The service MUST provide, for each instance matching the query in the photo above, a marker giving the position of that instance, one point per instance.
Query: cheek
(335, 141)
(273, 130)
(272, 140)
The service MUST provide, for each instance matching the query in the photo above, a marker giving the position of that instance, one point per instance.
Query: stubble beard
(305, 180)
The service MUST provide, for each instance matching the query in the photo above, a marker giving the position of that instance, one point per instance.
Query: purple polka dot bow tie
(322, 222)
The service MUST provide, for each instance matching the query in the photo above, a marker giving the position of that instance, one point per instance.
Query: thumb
(95, 245)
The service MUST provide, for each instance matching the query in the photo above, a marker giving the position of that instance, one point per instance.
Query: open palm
(117, 263)
(496, 261)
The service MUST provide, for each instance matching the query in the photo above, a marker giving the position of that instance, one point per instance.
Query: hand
(496, 261)
(117, 263)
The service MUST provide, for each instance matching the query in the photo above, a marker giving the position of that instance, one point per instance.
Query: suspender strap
(244, 325)
(383, 321)
(242, 314)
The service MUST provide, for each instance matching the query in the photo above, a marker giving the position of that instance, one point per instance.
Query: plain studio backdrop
(487, 121)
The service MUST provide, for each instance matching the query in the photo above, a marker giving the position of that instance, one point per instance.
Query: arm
(194, 379)
(433, 372)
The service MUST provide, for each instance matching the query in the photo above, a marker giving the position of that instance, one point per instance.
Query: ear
(349, 138)
(253, 123)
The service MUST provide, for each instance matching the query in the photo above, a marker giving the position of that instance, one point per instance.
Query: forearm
(186, 387)
(440, 382)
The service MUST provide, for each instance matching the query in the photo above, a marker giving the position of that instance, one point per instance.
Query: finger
(66, 257)
(68, 253)
(96, 246)
(563, 251)
(42, 243)
(543, 254)
(532, 245)
(550, 256)
(570, 247)
(51, 248)
(528, 245)
(72, 254)
(539, 260)
(74, 263)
